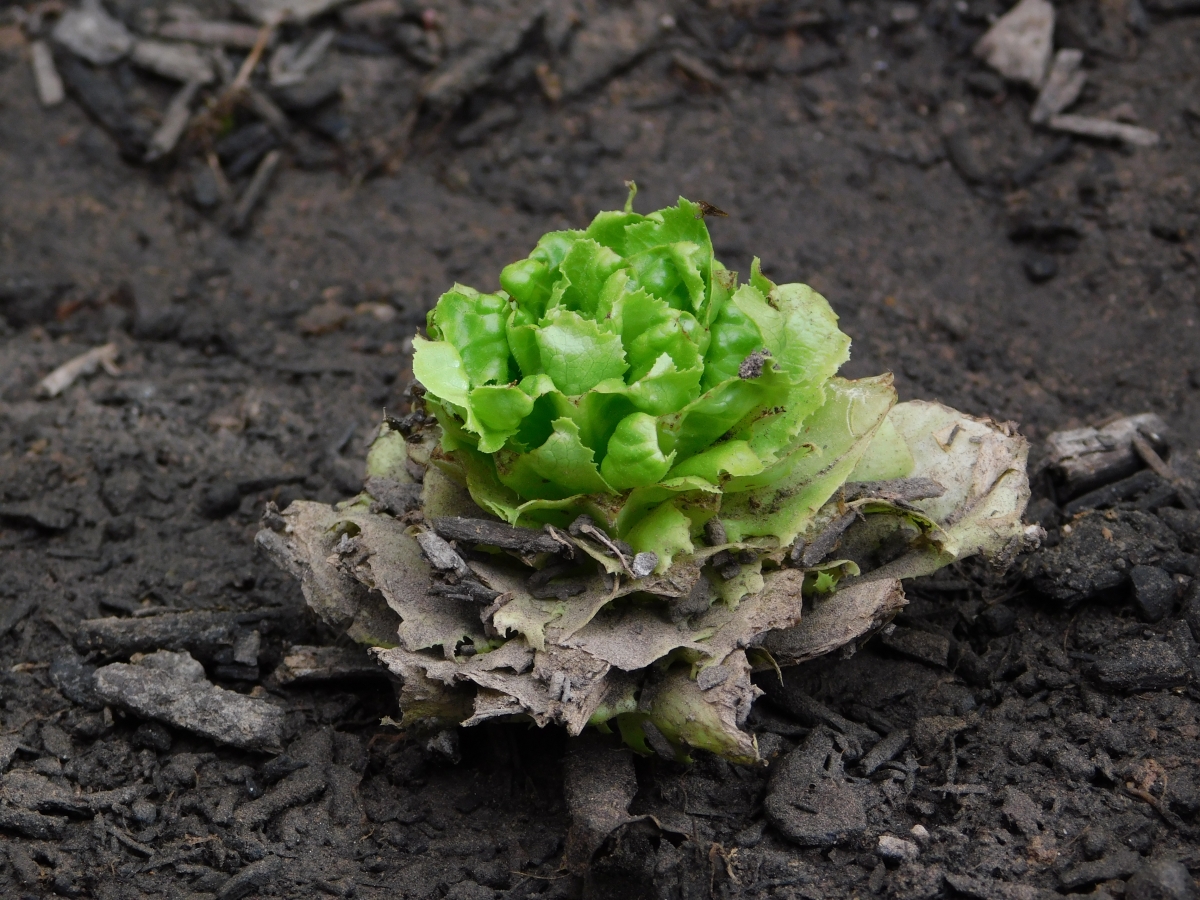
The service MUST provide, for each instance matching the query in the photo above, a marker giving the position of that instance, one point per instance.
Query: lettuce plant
(713, 499)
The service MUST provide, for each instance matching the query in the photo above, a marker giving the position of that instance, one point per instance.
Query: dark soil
(1052, 713)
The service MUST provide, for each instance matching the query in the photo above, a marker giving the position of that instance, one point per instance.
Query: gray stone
(1019, 43)
(897, 849)
(1186, 524)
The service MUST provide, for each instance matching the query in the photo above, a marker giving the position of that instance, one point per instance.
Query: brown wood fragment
(1086, 458)
(495, 534)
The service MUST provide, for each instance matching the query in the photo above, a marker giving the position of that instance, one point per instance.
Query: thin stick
(1163, 469)
(252, 58)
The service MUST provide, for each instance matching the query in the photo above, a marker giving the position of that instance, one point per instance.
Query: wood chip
(1062, 88)
(1104, 129)
(1020, 43)
(174, 122)
(85, 364)
(218, 34)
(45, 75)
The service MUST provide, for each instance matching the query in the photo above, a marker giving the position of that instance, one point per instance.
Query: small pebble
(1040, 268)
(897, 849)
(144, 812)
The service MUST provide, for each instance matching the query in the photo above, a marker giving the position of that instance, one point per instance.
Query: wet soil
(1044, 721)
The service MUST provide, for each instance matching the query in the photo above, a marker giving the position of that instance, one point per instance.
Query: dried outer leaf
(389, 454)
(425, 702)
(441, 495)
(558, 685)
(633, 637)
(517, 610)
(982, 466)
(599, 783)
(779, 605)
(856, 610)
(393, 497)
(340, 600)
(577, 685)
(688, 716)
(393, 564)
(747, 581)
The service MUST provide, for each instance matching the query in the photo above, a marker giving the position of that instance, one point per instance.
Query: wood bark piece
(219, 34)
(255, 191)
(85, 364)
(318, 665)
(174, 122)
(92, 34)
(898, 490)
(1083, 459)
(495, 534)
(176, 61)
(273, 12)
(461, 76)
(203, 634)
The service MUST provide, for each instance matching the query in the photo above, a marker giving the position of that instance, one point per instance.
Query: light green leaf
(760, 281)
(586, 268)
(634, 458)
(728, 458)
(814, 347)
(553, 247)
(559, 468)
(886, 458)
(577, 354)
(734, 337)
(839, 433)
(608, 229)
(528, 282)
(665, 531)
(476, 325)
(498, 411)
(438, 366)
(665, 388)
